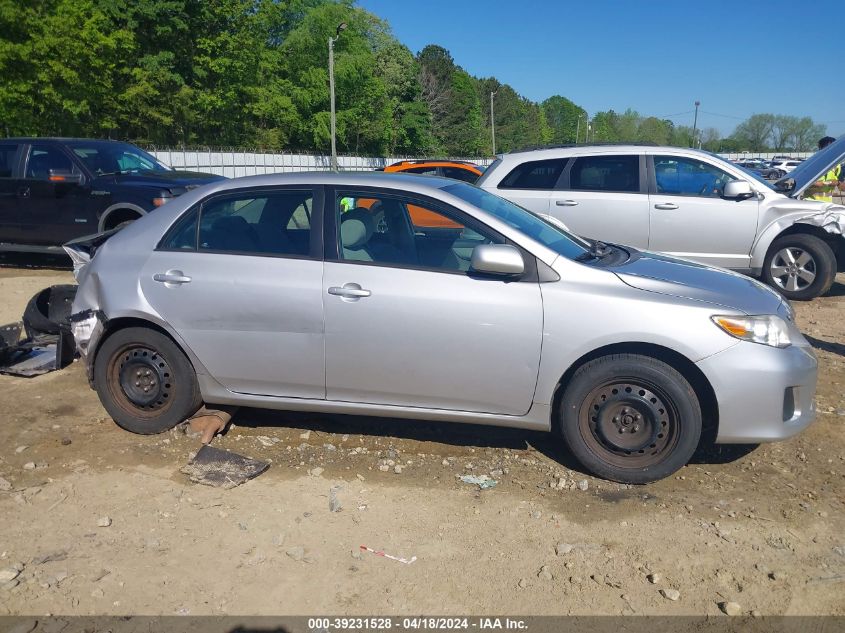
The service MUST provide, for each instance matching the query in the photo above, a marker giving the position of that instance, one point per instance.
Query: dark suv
(53, 190)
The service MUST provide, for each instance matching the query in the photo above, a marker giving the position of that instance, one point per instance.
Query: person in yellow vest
(822, 189)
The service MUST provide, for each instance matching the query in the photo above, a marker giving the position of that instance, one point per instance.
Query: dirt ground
(99, 521)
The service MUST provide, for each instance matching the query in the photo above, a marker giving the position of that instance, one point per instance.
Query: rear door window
(620, 174)
(425, 171)
(44, 158)
(8, 154)
(537, 174)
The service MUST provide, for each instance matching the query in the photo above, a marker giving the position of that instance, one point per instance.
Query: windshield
(546, 233)
(103, 158)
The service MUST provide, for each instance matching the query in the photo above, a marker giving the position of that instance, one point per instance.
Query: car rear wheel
(800, 266)
(630, 418)
(145, 382)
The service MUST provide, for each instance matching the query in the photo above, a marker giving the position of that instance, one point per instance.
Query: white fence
(764, 155)
(241, 163)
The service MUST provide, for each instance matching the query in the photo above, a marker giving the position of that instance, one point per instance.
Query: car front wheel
(800, 266)
(630, 418)
(145, 382)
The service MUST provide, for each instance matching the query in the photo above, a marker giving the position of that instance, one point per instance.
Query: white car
(785, 166)
(688, 203)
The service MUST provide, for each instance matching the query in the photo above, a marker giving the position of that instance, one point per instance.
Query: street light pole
(695, 123)
(493, 121)
(332, 40)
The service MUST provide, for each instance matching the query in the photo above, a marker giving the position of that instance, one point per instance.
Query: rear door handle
(23, 192)
(667, 206)
(349, 291)
(566, 203)
(172, 278)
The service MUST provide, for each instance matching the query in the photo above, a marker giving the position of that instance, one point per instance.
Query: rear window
(538, 174)
(606, 173)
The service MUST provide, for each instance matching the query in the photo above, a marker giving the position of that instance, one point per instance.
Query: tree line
(254, 73)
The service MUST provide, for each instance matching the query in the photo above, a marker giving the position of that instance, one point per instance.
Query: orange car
(457, 169)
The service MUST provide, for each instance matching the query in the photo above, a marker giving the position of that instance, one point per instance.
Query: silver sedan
(431, 299)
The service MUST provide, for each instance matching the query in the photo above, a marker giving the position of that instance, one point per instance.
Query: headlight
(765, 329)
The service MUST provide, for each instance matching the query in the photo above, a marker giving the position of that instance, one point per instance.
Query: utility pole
(578, 129)
(332, 40)
(695, 123)
(493, 121)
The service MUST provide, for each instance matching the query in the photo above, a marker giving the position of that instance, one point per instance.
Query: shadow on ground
(454, 434)
(833, 348)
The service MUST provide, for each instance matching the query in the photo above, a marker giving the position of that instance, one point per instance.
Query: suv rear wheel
(630, 418)
(145, 382)
(800, 266)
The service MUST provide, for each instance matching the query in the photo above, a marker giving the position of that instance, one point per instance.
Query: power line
(727, 116)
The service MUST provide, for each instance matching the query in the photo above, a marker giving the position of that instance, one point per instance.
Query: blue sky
(737, 57)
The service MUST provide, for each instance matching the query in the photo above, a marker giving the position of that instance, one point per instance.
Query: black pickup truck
(53, 190)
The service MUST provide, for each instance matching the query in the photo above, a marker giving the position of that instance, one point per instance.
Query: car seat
(232, 233)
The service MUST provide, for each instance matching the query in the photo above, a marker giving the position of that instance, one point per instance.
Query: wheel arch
(121, 323)
(118, 209)
(776, 231)
(688, 369)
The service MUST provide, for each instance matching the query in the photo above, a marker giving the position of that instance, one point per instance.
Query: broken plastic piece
(482, 481)
(222, 469)
(407, 561)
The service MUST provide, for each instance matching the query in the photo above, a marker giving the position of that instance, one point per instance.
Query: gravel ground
(99, 521)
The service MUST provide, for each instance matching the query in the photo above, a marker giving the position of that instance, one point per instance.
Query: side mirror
(64, 176)
(738, 190)
(497, 259)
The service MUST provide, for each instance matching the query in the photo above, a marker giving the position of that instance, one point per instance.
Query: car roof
(391, 180)
(408, 164)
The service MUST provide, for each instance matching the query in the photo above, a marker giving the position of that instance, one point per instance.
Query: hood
(167, 179)
(691, 280)
(809, 171)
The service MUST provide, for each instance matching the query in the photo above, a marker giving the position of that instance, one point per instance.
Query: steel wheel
(628, 423)
(141, 380)
(145, 381)
(793, 269)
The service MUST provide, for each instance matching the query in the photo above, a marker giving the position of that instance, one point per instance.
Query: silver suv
(688, 203)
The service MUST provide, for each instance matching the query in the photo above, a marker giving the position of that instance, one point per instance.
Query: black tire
(49, 310)
(821, 265)
(134, 359)
(630, 418)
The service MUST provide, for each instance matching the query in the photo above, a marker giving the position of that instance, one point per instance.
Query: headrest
(356, 228)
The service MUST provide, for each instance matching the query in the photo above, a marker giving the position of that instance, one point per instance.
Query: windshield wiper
(598, 249)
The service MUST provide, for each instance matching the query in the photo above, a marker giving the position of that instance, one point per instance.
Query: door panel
(604, 197)
(432, 339)
(621, 218)
(688, 218)
(52, 212)
(256, 323)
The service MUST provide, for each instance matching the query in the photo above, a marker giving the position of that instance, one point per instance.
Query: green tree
(563, 117)
(755, 133)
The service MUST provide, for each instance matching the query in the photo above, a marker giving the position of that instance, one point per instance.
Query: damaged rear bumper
(87, 328)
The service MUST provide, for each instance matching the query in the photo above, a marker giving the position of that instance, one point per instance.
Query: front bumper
(764, 393)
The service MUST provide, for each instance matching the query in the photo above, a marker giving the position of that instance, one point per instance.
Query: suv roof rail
(532, 148)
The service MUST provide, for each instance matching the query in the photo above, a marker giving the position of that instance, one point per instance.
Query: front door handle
(172, 278)
(667, 206)
(566, 203)
(23, 192)
(349, 291)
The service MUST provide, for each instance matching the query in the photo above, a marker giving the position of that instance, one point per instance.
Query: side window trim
(316, 242)
(331, 235)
